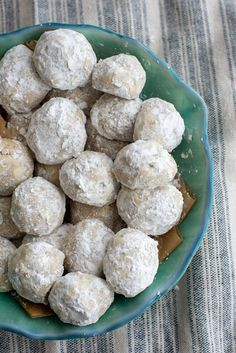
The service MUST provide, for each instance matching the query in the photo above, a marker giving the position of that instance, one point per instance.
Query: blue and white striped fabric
(198, 39)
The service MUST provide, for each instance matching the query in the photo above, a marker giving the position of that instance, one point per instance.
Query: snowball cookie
(64, 59)
(89, 179)
(87, 246)
(8, 229)
(6, 251)
(57, 131)
(21, 89)
(144, 164)
(38, 206)
(153, 211)
(16, 165)
(48, 172)
(80, 298)
(85, 97)
(99, 143)
(131, 262)
(159, 120)
(121, 75)
(57, 238)
(107, 214)
(114, 117)
(34, 268)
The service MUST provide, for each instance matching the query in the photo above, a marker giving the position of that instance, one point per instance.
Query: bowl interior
(196, 170)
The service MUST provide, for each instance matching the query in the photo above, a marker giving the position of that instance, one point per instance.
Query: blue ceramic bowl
(161, 82)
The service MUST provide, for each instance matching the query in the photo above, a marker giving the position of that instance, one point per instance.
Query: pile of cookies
(86, 177)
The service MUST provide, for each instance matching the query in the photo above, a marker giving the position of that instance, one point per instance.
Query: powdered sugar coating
(160, 121)
(48, 172)
(8, 229)
(34, 268)
(80, 298)
(153, 211)
(16, 165)
(89, 179)
(121, 75)
(64, 59)
(114, 117)
(6, 251)
(107, 214)
(21, 89)
(99, 143)
(144, 164)
(85, 97)
(57, 238)
(57, 131)
(38, 206)
(87, 246)
(131, 262)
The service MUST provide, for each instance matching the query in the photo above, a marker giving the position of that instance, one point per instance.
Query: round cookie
(8, 228)
(80, 298)
(21, 89)
(114, 117)
(159, 120)
(89, 179)
(85, 97)
(64, 59)
(121, 75)
(48, 172)
(153, 211)
(107, 214)
(87, 246)
(38, 206)
(34, 268)
(7, 249)
(16, 165)
(131, 262)
(98, 143)
(57, 131)
(57, 238)
(144, 164)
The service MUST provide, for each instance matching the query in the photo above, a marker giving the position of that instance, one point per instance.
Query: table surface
(198, 39)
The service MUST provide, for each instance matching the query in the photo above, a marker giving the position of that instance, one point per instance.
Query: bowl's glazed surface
(194, 161)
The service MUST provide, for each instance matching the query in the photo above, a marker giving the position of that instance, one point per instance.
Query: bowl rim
(208, 206)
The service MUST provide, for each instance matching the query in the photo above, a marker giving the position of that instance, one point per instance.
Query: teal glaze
(197, 171)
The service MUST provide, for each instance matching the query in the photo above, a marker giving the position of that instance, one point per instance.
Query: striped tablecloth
(198, 39)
